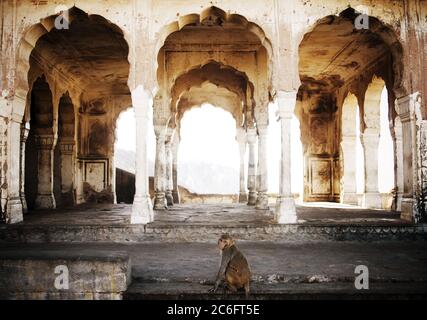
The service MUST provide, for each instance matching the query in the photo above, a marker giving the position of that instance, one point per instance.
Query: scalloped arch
(232, 19)
(383, 30)
(30, 37)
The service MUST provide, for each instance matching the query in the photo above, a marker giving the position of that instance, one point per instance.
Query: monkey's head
(225, 241)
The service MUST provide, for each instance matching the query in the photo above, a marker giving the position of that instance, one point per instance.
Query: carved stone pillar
(160, 169)
(67, 171)
(3, 161)
(348, 147)
(175, 148)
(407, 108)
(262, 186)
(349, 194)
(142, 210)
(251, 138)
(241, 142)
(370, 138)
(14, 205)
(169, 158)
(45, 198)
(370, 142)
(397, 130)
(285, 206)
(25, 129)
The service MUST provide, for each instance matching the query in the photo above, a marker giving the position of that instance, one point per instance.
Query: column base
(14, 212)
(176, 197)
(372, 200)
(262, 201)
(350, 198)
(160, 201)
(285, 211)
(252, 198)
(169, 198)
(142, 210)
(45, 201)
(243, 197)
(24, 205)
(398, 201)
(408, 209)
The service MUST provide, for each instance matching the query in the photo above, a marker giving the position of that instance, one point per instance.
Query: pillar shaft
(45, 198)
(407, 108)
(285, 206)
(252, 138)
(241, 142)
(25, 129)
(397, 129)
(370, 141)
(175, 148)
(14, 206)
(168, 168)
(142, 210)
(348, 145)
(262, 187)
(160, 169)
(67, 170)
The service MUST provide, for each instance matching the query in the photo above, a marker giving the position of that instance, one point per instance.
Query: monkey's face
(222, 244)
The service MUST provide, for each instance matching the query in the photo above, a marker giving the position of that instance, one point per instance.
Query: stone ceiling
(92, 52)
(335, 52)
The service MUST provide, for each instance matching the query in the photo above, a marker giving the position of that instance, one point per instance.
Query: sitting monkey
(234, 269)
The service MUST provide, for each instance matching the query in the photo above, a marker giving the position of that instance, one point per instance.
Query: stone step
(289, 291)
(22, 233)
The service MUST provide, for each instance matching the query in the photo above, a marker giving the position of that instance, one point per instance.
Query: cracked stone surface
(161, 267)
(212, 214)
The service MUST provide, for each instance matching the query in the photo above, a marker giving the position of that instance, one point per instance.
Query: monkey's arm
(225, 260)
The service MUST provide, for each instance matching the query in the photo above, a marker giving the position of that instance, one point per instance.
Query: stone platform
(204, 223)
(92, 274)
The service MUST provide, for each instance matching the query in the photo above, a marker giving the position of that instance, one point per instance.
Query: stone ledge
(93, 274)
(209, 233)
(335, 291)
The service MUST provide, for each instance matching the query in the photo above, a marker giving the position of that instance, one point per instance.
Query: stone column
(241, 142)
(348, 145)
(3, 161)
(399, 162)
(370, 142)
(262, 186)
(25, 129)
(285, 206)
(251, 138)
(142, 210)
(14, 206)
(66, 148)
(160, 169)
(407, 108)
(45, 198)
(169, 158)
(175, 148)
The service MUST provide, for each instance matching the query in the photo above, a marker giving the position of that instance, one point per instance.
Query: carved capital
(286, 102)
(408, 106)
(45, 142)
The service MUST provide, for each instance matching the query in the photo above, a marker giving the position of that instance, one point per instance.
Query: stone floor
(211, 214)
(161, 270)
